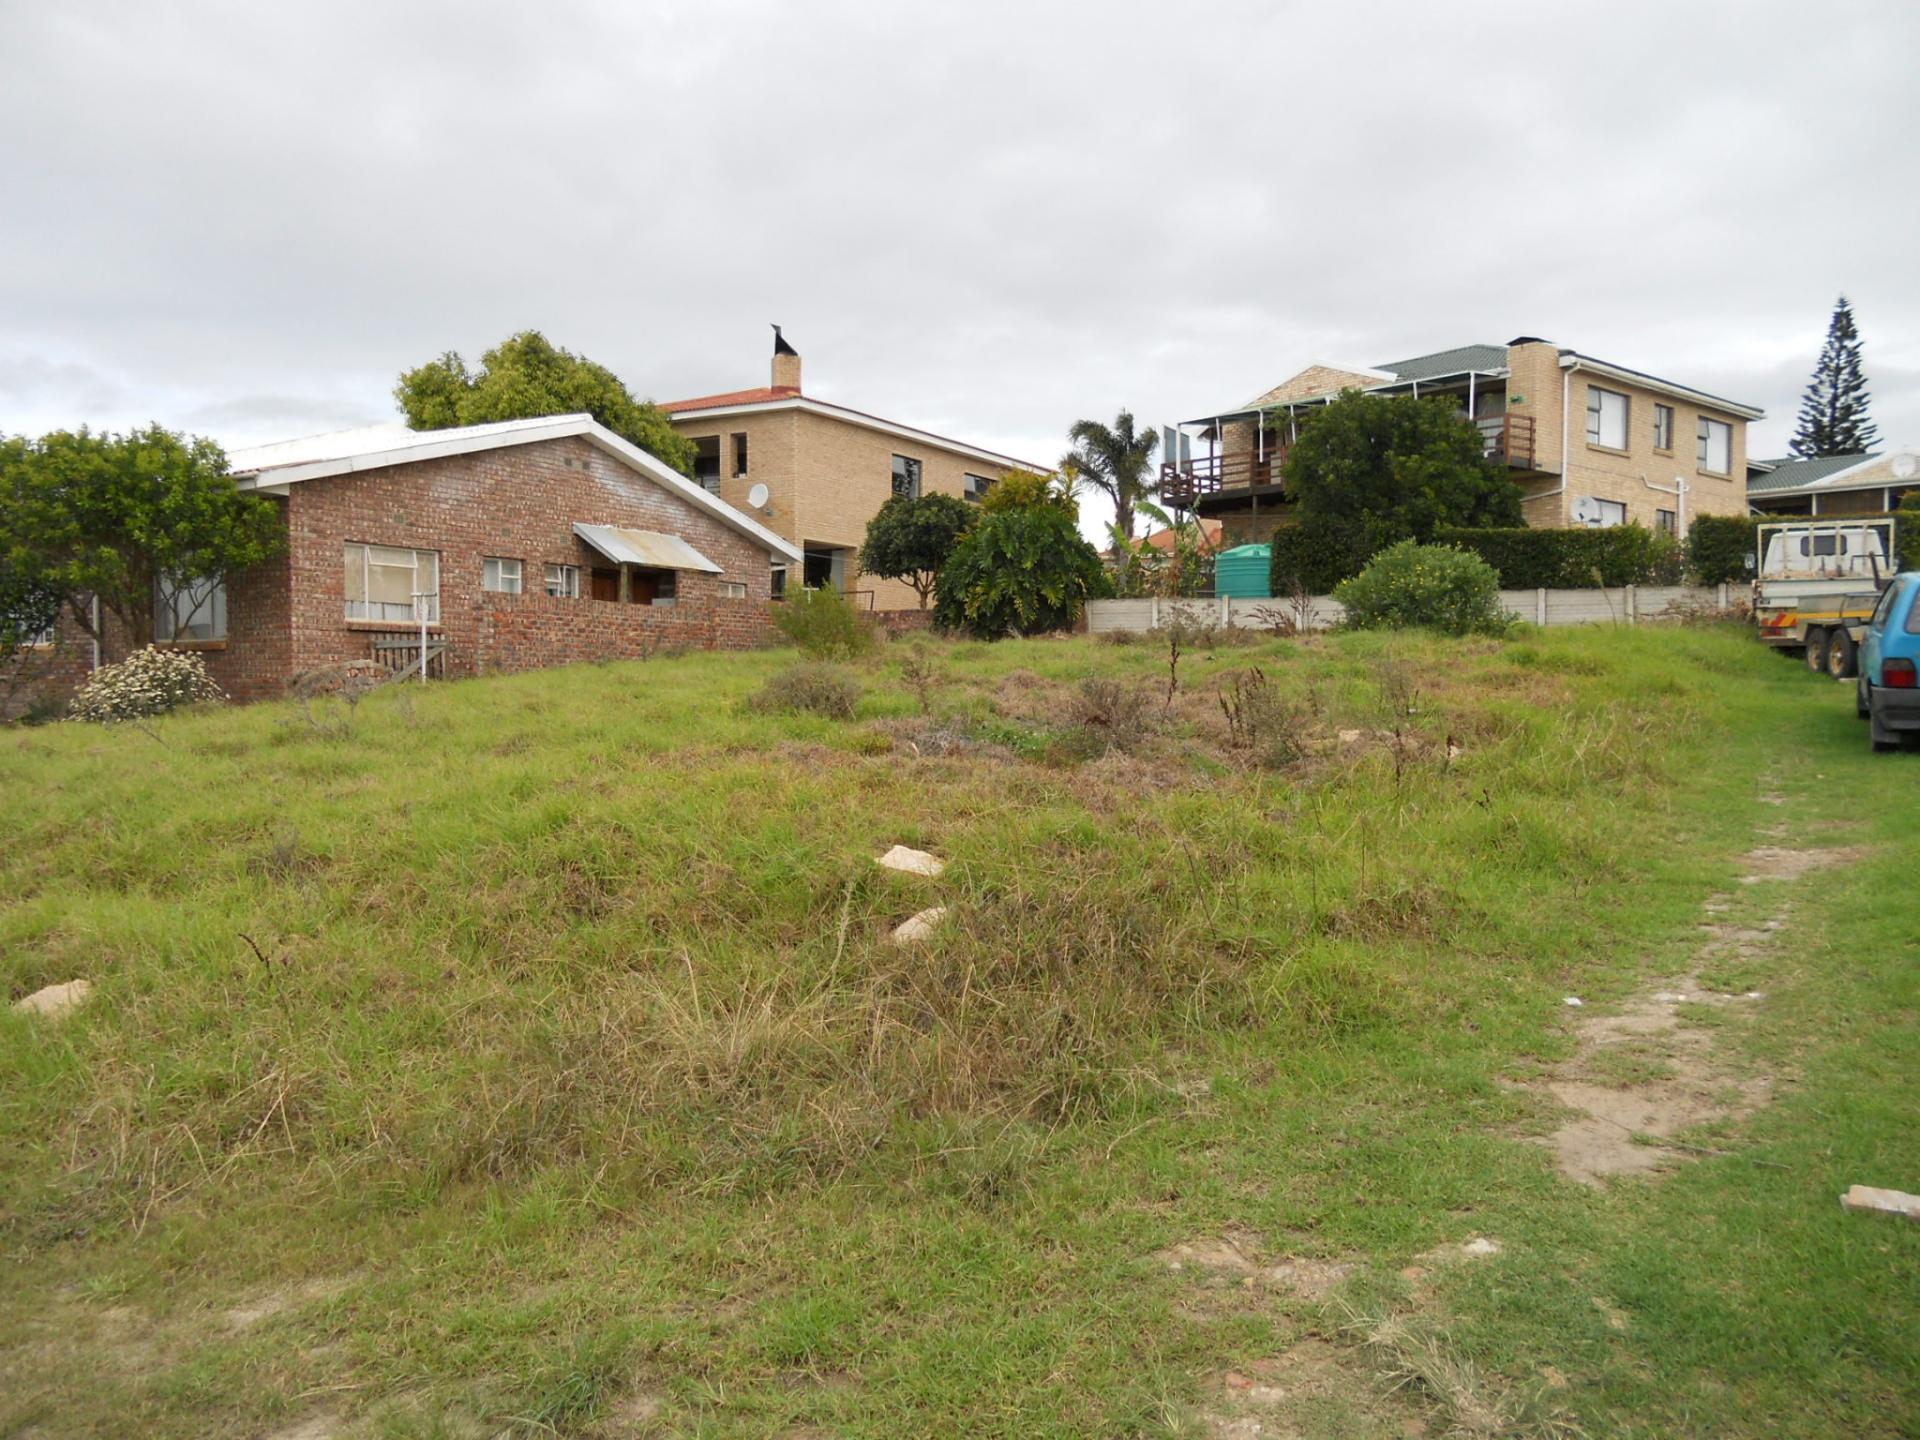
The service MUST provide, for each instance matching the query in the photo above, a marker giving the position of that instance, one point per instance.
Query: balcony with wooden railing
(1507, 439)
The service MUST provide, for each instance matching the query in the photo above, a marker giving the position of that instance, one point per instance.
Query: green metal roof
(1791, 474)
(1449, 362)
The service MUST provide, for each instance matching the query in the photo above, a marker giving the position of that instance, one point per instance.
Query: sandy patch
(1775, 862)
(1237, 1259)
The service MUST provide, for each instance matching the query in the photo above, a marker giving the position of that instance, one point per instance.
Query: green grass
(581, 1092)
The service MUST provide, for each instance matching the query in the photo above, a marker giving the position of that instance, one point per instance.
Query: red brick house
(526, 543)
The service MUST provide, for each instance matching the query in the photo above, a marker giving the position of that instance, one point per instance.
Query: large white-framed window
(382, 582)
(1716, 446)
(975, 487)
(501, 575)
(1663, 427)
(1606, 418)
(189, 610)
(563, 582)
(906, 476)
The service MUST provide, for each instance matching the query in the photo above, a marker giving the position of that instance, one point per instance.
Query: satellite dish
(757, 497)
(1903, 466)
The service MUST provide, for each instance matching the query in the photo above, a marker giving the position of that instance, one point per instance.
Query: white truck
(1816, 582)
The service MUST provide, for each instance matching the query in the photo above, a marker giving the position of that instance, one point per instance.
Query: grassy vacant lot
(577, 1088)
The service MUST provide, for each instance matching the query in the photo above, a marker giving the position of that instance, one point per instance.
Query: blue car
(1889, 685)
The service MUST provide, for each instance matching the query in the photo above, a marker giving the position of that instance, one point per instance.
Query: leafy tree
(1371, 470)
(1186, 567)
(1115, 460)
(1021, 570)
(525, 377)
(117, 516)
(1022, 489)
(911, 538)
(1833, 414)
(28, 609)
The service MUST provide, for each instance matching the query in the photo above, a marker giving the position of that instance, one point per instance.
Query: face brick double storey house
(816, 473)
(1589, 442)
(519, 544)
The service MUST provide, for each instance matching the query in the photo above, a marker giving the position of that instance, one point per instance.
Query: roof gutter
(1665, 387)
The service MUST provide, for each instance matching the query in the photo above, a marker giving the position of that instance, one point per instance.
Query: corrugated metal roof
(1449, 362)
(645, 547)
(1791, 474)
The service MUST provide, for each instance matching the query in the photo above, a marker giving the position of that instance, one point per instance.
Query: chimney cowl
(786, 364)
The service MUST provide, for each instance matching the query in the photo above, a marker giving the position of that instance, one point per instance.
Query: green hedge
(1528, 559)
(1299, 560)
(1718, 548)
(1907, 530)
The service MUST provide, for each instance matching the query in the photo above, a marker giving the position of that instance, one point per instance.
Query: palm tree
(1116, 461)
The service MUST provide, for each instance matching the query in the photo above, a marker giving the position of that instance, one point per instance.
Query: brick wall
(828, 477)
(521, 503)
(530, 632)
(46, 675)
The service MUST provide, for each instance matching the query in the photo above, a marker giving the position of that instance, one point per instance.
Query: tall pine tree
(1833, 416)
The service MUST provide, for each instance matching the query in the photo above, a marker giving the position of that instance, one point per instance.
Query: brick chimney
(786, 364)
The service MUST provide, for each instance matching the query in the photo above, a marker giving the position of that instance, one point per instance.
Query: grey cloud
(990, 220)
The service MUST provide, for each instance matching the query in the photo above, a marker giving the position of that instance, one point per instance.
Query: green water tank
(1244, 572)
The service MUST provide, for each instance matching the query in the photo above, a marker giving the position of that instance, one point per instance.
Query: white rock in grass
(1480, 1248)
(912, 862)
(1883, 1202)
(53, 1001)
(918, 927)
(1573, 1000)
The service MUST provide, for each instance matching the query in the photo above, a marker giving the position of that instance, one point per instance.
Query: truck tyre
(1840, 655)
(1817, 651)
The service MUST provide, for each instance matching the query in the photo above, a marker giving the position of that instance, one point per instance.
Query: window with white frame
(185, 610)
(1663, 427)
(1606, 418)
(733, 589)
(382, 582)
(501, 576)
(1716, 446)
(1665, 522)
(1597, 514)
(906, 476)
(975, 487)
(563, 582)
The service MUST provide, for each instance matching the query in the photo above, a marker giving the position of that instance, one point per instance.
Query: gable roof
(782, 397)
(1791, 474)
(1449, 362)
(373, 447)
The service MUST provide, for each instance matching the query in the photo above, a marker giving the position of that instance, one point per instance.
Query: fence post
(1723, 594)
(1540, 603)
(1226, 612)
(1153, 612)
(1633, 603)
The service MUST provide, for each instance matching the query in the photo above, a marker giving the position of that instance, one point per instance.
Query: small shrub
(824, 624)
(1435, 586)
(1262, 720)
(147, 683)
(923, 677)
(1112, 709)
(812, 689)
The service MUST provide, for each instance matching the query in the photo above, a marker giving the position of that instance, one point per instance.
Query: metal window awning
(645, 547)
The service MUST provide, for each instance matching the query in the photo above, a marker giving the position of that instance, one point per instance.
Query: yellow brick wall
(1617, 475)
(829, 477)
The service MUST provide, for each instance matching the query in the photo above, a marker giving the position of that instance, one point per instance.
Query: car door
(1891, 601)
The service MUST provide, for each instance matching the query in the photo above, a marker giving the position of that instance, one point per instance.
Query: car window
(1877, 621)
(1913, 614)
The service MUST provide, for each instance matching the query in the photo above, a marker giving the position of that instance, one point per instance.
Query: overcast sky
(987, 219)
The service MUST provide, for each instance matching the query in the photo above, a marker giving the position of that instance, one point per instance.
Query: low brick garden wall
(532, 632)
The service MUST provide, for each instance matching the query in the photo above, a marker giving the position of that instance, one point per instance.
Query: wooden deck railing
(1507, 439)
(398, 651)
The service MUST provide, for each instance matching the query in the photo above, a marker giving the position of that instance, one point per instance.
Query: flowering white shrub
(1435, 586)
(148, 682)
